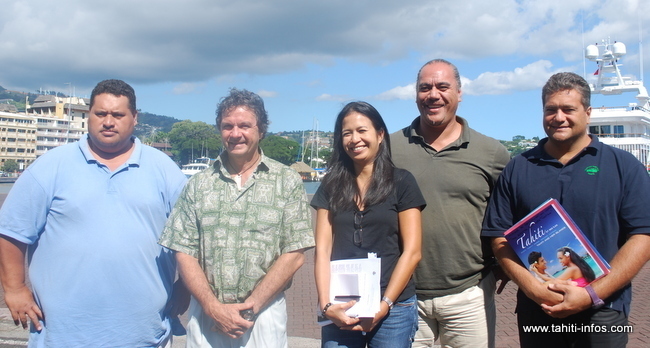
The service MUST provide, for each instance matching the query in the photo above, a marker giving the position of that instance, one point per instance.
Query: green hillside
(149, 124)
(16, 98)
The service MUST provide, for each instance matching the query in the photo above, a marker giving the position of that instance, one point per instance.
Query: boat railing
(641, 108)
(626, 107)
(624, 135)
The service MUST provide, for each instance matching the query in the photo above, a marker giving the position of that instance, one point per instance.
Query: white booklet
(356, 279)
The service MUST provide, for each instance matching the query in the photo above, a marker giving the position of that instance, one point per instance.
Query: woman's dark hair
(340, 182)
(587, 272)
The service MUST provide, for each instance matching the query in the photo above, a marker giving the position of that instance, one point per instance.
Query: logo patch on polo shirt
(592, 170)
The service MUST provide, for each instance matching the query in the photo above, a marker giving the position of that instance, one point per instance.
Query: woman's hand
(368, 324)
(336, 313)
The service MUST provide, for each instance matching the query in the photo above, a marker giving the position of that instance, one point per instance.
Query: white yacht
(624, 127)
(198, 165)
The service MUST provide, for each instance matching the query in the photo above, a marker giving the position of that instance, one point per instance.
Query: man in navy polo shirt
(607, 193)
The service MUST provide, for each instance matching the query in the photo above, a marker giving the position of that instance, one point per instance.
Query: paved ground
(305, 333)
(301, 299)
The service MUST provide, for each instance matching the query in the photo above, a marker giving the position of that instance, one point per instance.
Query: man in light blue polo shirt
(88, 215)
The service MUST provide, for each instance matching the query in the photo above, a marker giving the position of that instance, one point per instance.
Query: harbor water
(311, 186)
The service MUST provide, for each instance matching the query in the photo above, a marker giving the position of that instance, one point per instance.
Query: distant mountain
(150, 123)
(16, 98)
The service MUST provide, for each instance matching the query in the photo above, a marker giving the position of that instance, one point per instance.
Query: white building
(50, 122)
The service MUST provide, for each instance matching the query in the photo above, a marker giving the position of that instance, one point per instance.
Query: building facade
(50, 122)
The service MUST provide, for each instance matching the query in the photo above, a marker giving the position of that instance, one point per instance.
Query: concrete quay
(304, 332)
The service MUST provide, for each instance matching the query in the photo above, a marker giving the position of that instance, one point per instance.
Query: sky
(307, 58)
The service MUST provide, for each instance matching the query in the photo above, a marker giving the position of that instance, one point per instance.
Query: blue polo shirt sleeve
(635, 200)
(176, 185)
(24, 211)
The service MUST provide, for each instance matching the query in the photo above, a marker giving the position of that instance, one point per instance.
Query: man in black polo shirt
(607, 193)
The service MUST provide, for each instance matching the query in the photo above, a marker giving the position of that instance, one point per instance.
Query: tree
(10, 166)
(156, 137)
(280, 149)
(191, 140)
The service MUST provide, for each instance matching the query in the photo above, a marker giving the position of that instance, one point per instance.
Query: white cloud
(330, 97)
(400, 92)
(531, 76)
(267, 94)
(153, 41)
(187, 88)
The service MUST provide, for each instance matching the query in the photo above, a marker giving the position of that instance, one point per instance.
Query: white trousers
(269, 330)
(466, 319)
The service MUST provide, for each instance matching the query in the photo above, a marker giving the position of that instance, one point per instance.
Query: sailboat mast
(317, 142)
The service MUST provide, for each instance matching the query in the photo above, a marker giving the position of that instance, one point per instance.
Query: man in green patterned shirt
(240, 229)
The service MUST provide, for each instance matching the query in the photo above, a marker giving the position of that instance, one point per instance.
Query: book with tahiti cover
(549, 243)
